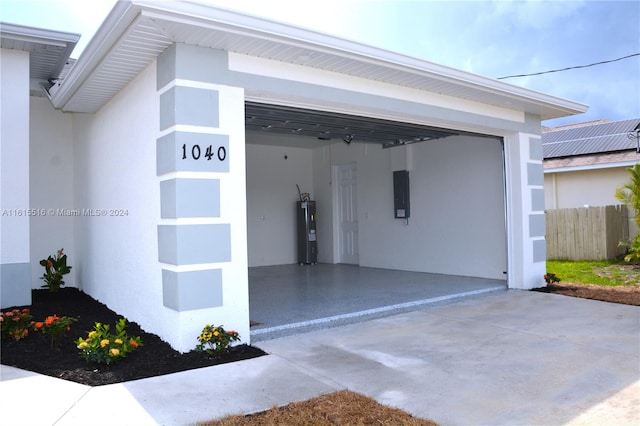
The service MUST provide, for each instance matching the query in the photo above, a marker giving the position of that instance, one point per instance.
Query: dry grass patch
(338, 408)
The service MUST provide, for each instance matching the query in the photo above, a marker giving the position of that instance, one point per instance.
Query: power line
(570, 68)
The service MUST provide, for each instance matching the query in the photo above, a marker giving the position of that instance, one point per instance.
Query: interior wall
(457, 223)
(272, 174)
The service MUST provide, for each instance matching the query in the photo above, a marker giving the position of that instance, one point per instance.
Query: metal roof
(49, 50)
(590, 139)
(137, 31)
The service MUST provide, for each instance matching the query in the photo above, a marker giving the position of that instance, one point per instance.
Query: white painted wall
(15, 286)
(51, 187)
(457, 223)
(115, 169)
(457, 207)
(14, 156)
(272, 196)
(523, 271)
(571, 189)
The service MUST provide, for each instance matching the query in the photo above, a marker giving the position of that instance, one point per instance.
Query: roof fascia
(43, 37)
(113, 27)
(619, 164)
(343, 47)
(37, 35)
(190, 12)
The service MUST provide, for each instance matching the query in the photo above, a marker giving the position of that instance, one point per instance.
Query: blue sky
(491, 38)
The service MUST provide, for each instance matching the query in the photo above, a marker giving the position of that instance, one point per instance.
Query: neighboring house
(584, 163)
(165, 162)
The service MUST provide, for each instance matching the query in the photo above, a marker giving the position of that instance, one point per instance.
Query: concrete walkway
(512, 358)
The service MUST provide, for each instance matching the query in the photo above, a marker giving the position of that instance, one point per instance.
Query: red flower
(133, 344)
(38, 325)
(50, 320)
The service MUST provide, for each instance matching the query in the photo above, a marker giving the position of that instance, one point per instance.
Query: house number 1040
(196, 152)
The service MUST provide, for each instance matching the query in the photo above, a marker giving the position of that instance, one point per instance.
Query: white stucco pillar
(15, 269)
(202, 236)
(525, 211)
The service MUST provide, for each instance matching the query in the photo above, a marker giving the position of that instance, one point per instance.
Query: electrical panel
(401, 204)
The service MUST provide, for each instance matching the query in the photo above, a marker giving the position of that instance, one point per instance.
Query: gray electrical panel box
(401, 205)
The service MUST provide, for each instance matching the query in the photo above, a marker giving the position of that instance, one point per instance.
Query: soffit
(147, 28)
(48, 50)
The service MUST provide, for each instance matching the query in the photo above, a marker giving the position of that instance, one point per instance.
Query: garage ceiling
(332, 126)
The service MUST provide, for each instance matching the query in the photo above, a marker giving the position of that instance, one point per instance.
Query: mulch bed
(627, 295)
(155, 358)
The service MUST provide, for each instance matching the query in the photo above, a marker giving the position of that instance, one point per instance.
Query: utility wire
(570, 68)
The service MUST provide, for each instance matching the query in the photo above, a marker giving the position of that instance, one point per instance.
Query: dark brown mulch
(155, 358)
(627, 295)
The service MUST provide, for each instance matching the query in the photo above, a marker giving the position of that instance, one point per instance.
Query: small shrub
(54, 268)
(14, 324)
(551, 278)
(215, 339)
(629, 195)
(103, 347)
(54, 326)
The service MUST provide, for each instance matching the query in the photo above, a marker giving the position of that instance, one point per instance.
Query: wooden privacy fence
(589, 233)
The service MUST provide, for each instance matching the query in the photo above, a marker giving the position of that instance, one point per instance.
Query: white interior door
(347, 214)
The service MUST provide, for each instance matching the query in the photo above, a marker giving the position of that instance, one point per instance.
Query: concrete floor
(288, 299)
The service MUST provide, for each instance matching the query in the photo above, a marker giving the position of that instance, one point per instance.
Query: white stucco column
(202, 236)
(15, 269)
(525, 211)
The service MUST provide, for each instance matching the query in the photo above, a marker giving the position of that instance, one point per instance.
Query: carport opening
(455, 241)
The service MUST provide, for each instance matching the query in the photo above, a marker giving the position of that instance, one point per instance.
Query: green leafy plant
(629, 195)
(215, 339)
(550, 278)
(54, 268)
(14, 324)
(103, 347)
(54, 326)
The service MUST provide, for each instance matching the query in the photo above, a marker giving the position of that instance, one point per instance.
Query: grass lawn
(601, 272)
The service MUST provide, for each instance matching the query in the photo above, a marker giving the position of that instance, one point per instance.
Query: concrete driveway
(511, 358)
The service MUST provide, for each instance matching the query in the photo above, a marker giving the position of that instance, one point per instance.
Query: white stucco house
(165, 161)
(584, 163)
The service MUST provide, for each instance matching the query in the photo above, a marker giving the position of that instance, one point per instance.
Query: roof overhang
(49, 51)
(137, 31)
